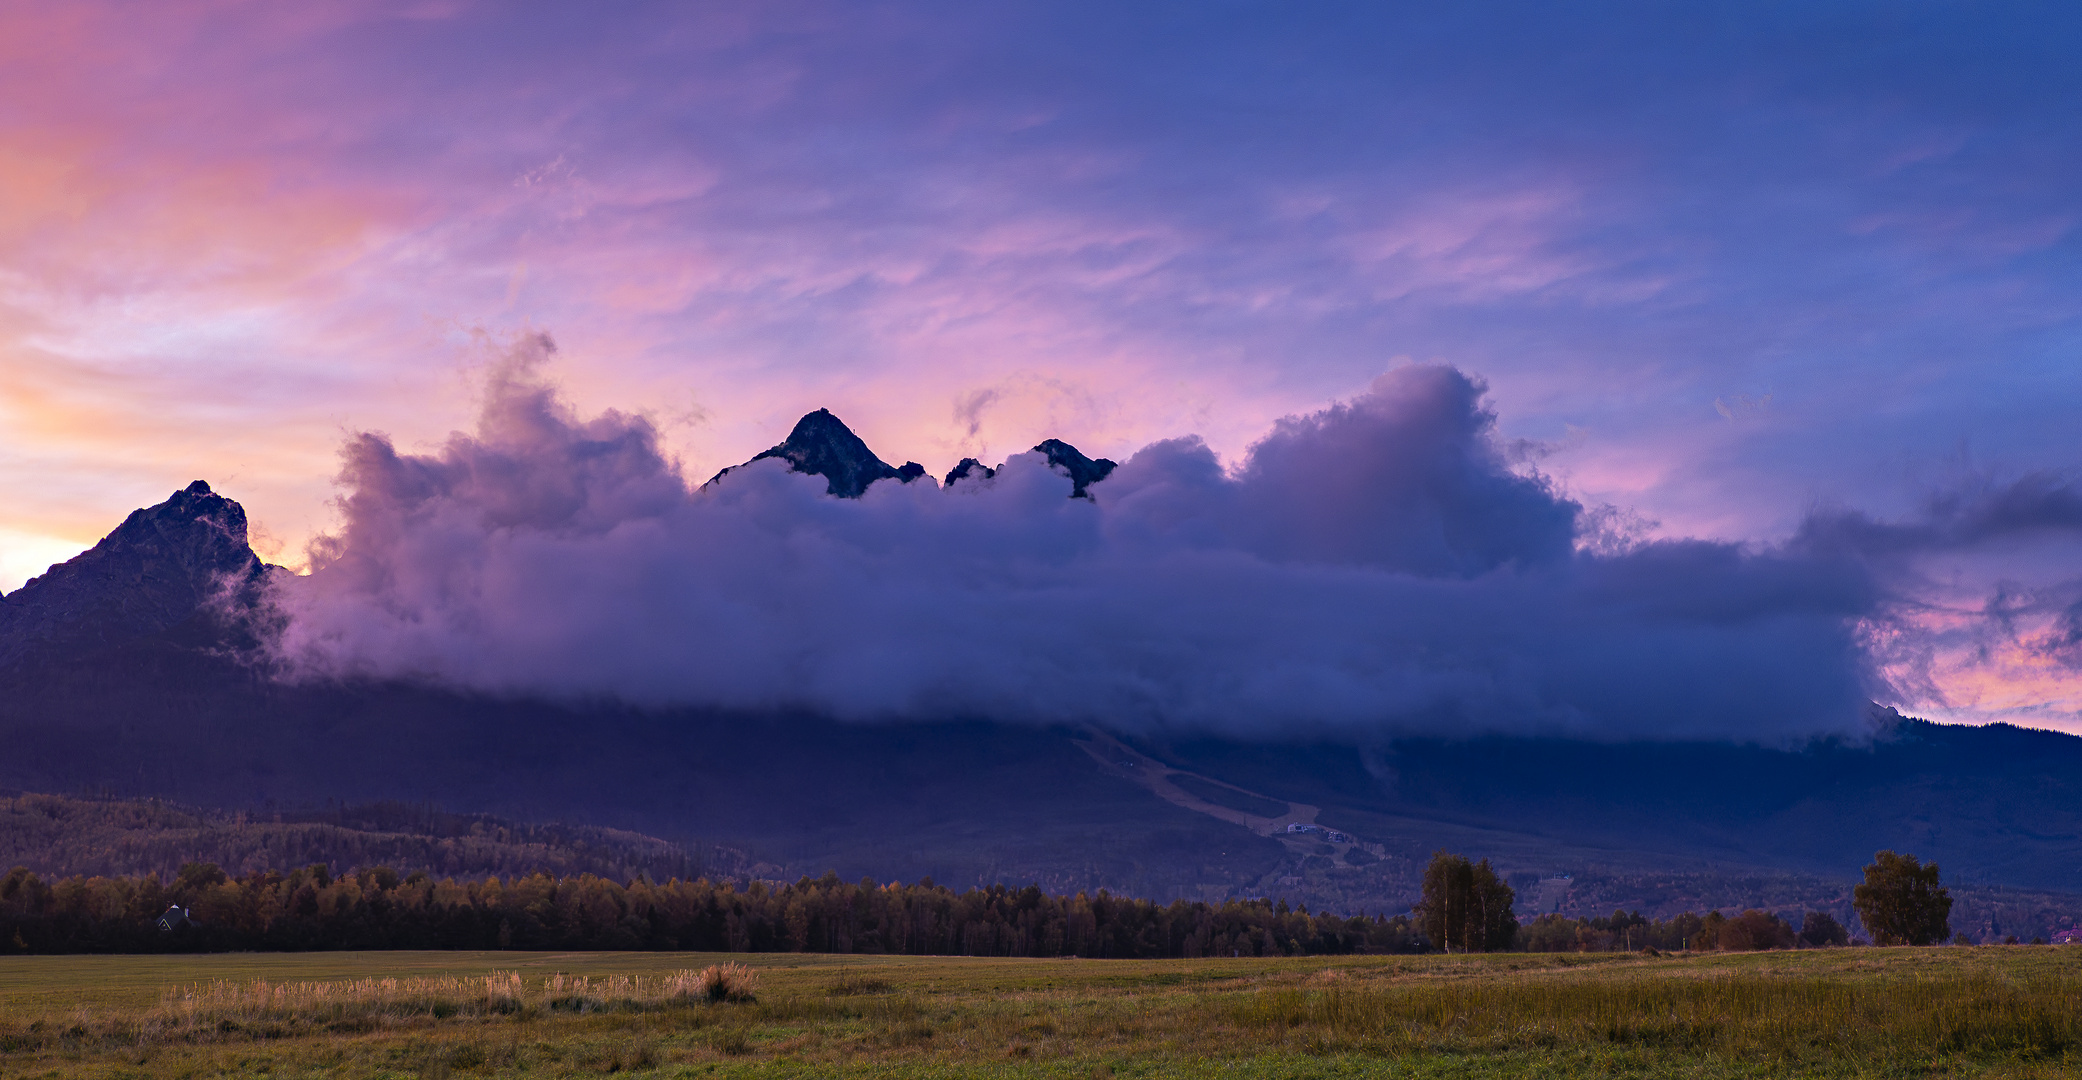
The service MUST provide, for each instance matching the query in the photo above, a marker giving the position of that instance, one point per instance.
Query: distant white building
(1331, 835)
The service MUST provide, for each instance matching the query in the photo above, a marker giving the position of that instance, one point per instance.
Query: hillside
(57, 836)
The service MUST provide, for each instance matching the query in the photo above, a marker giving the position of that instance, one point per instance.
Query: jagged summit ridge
(966, 468)
(1083, 471)
(1062, 457)
(822, 445)
(158, 568)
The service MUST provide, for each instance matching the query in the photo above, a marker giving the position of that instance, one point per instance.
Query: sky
(1747, 274)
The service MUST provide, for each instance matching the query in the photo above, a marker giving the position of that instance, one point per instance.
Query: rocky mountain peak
(822, 445)
(1062, 457)
(1083, 471)
(969, 467)
(159, 569)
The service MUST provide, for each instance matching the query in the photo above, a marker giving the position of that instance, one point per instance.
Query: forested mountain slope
(57, 836)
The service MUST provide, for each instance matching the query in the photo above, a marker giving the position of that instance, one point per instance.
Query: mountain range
(135, 669)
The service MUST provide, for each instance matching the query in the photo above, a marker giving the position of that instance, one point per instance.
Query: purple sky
(1718, 265)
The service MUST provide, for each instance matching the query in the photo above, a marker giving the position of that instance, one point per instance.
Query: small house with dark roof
(175, 918)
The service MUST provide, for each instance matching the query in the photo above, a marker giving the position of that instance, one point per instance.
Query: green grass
(1948, 1012)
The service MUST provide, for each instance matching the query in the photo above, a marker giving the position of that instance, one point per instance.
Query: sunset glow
(1716, 278)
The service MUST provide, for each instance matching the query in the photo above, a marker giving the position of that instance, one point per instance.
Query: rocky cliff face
(162, 568)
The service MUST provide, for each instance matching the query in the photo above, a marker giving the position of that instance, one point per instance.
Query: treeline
(1901, 902)
(378, 908)
(1630, 931)
(1466, 907)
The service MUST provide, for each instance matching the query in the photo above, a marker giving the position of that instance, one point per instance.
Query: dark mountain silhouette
(159, 572)
(822, 445)
(968, 467)
(129, 671)
(1062, 457)
(1083, 471)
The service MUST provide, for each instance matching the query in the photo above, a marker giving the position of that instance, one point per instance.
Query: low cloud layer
(1370, 569)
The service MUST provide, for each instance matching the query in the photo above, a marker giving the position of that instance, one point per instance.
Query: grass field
(1989, 1011)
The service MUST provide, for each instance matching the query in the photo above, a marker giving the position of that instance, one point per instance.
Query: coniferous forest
(310, 909)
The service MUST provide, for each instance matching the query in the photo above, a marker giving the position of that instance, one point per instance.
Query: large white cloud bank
(1369, 570)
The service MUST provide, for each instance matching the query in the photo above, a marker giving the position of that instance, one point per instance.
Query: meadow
(1954, 1011)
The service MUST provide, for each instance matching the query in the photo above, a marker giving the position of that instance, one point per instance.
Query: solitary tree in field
(1466, 907)
(1901, 902)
